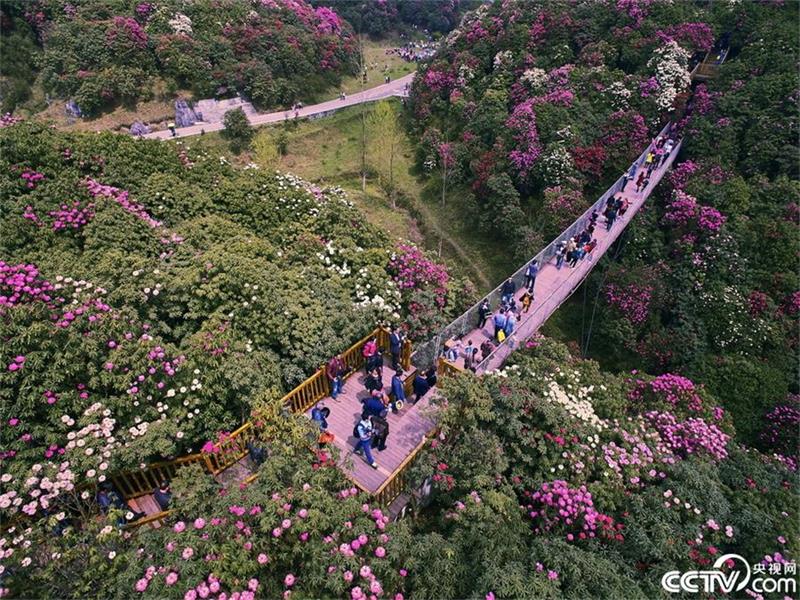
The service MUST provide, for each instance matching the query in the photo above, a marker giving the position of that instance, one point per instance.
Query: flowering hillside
(548, 479)
(273, 51)
(149, 296)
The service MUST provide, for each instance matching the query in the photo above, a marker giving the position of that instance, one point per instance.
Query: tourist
(374, 404)
(499, 323)
(257, 454)
(370, 347)
(611, 216)
(109, 498)
(527, 299)
(469, 356)
(420, 385)
(668, 147)
(628, 177)
(373, 381)
(507, 291)
(561, 251)
(487, 347)
(363, 435)
(380, 431)
(335, 371)
(171, 127)
(577, 254)
(588, 248)
(163, 495)
(451, 351)
(395, 346)
(432, 379)
(623, 207)
(483, 313)
(641, 182)
(398, 393)
(511, 322)
(320, 414)
(530, 275)
(649, 159)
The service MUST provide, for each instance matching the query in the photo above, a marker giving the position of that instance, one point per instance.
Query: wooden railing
(396, 483)
(233, 448)
(446, 368)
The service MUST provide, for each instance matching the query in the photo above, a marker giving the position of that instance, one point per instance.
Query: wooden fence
(233, 447)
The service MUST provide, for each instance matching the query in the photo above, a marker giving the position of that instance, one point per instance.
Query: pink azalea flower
(289, 580)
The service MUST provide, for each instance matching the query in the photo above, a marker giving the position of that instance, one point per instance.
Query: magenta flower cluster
(437, 81)
(411, 270)
(31, 178)
(522, 123)
(557, 506)
(130, 30)
(632, 300)
(121, 197)
(684, 210)
(693, 436)
(72, 216)
(783, 424)
(21, 284)
(674, 390)
(698, 36)
(7, 120)
(636, 10)
(681, 173)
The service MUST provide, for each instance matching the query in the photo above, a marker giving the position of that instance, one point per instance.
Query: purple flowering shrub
(780, 432)
(276, 52)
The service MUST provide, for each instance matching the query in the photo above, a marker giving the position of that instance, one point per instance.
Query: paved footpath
(386, 90)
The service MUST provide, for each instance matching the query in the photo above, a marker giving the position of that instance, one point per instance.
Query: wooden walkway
(407, 429)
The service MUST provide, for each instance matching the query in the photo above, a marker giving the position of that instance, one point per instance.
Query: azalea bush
(647, 490)
(273, 52)
(149, 295)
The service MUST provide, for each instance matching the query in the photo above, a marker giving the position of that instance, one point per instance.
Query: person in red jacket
(335, 371)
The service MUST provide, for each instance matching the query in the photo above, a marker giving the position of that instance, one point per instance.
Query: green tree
(237, 130)
(385, 135)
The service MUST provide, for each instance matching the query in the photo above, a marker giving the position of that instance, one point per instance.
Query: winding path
(386, 90)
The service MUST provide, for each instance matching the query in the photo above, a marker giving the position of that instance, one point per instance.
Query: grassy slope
(328, 151)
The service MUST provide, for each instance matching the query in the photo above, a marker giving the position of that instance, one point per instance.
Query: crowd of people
(372, 429)
(414, 51)
(570, 251)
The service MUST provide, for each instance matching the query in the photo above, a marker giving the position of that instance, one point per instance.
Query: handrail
(395, 483)
(578, 224)
(233, 448)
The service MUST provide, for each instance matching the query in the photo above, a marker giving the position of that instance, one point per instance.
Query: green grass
(328, 151)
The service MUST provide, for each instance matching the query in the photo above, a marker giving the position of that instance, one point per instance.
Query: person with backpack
(374, 404)
(335, 371)
(499, 323)
(527, 299)
(373, 382)
(588, 248)
(320, 414)
(375, 363)
(257, 454)
(398, 393)
(511, 322)
(363, 434)
(577, 254)
(483, 313)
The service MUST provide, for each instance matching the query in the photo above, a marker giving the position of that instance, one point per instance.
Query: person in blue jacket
(398, 393)
(421, 385)
(395, 346)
